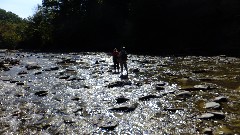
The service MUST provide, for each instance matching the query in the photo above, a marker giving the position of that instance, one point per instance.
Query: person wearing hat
(123, 60)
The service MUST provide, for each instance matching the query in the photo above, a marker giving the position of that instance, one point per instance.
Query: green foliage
(9, 17)
(11, 29)
(100, 25)
(38, 33)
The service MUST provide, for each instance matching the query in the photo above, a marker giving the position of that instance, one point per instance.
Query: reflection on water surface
(77, 93)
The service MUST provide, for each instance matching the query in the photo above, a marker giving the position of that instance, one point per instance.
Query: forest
(156, 27)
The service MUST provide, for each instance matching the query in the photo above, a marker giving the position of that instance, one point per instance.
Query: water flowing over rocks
(78, 93)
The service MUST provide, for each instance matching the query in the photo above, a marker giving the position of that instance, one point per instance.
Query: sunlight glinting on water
(71, 94)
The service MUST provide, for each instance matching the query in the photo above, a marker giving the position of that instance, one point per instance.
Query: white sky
(22, 8)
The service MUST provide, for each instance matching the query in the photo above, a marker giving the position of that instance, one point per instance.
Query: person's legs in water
(125, 66)
(121, 66)
(116, 66)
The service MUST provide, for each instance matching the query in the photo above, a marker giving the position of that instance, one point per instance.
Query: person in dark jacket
(123, 60)
(115, 56)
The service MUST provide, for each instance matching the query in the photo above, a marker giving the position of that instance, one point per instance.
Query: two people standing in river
(120, 58)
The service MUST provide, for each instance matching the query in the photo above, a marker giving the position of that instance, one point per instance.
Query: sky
(22, 8)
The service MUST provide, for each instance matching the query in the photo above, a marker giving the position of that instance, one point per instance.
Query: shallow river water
(79, 93)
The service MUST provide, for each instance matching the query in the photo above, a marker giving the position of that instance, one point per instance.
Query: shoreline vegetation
(172, 27)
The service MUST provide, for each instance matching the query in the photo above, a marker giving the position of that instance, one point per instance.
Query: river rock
(160, 86)
(124, 108)
(203, 87)
(207, 131)
(119, 84)
(5, 78)
(111, 125)
(20, 83)
(38, 73)
(136, 70)
(148, 97)
(199, 71)
(218, 115)
(41, 93)
(68, 120)
(220, 99)
(121, 100)
(212, 115)
(197, 87)
(124, 76)
(22, 72)
(213, 105)
(31, 66)
(205, 116)
(173, 109)
(184, 94)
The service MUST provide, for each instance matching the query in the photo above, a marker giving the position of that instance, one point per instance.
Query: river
(78, 93)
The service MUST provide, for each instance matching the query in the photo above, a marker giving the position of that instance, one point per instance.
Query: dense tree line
(143, 26)
(11, 29)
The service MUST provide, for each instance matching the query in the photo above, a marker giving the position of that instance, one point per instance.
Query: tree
(11, 29)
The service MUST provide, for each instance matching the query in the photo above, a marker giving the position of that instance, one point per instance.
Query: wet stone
(54, 68)
(160, 84)
(46, 70)
(121, 100)
(173, 109)
(184, 94)
(6, 68)
(22, 73)
(213, 105)
(212, 115)
(124, 76)
(159, 87)
(41, 93)
(199, 71)
(44, 122)
(124, 108)
(218, 115)
(64, 77)
(136, 70)
(37, 73)
(32, 66)
(119, 84)
(205, 79)
(74, 79)
(5, 78)
(206, 116)
(57, 98)
(108, 125)
(138, 84)
(203, 87)
(148, 97)
(19, 94)
(197, 87)
(97, 62)
(220, 99)
(207, 131)
(78, 110)
(19, 83)
(68, 120)
(76, 98)
(66, 61)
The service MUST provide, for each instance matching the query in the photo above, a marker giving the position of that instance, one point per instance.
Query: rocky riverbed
(78, 93)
